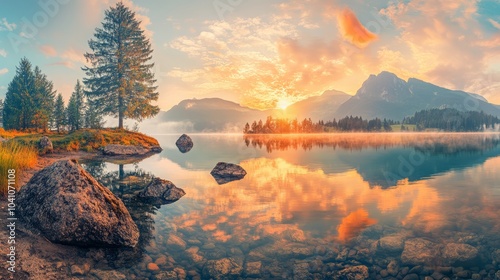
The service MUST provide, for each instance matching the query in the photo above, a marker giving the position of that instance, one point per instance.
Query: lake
(343, 206)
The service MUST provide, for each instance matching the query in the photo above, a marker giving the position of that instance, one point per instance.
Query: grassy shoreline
(20, 152)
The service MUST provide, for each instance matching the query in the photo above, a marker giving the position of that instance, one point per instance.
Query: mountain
(318, 107)
(387, 96)
(212, 115)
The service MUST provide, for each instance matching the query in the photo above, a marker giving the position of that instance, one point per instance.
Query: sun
(283, 104)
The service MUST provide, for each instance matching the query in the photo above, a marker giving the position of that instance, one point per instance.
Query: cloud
(495, 24)
(74, 56)
(6, 26)
(353, 30)
(4, 71)
(3, 53)
(48, 50)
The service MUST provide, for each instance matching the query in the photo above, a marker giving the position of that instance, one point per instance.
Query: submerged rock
(128, 150)
(457, 252)
(184, 143)
(226, 172)
(419, 251)
(67, 205)
(225, 268)
(163, 190)
(45, 145)
(359, 272)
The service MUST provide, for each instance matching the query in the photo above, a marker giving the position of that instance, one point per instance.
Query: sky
(268, 53)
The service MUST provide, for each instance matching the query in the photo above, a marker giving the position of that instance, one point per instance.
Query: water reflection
(324, 206)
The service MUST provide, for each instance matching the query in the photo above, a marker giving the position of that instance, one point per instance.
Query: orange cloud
(353, 30)
(353, 224)
(48, 50)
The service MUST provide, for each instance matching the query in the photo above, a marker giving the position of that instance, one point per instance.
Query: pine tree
(59, 114)
(76, 108)
(246, 130)
(29, 99)
(44, 100)
(119, 79)
(93, 118)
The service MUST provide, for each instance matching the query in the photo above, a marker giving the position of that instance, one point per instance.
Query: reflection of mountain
(387, 96)
(382, 159)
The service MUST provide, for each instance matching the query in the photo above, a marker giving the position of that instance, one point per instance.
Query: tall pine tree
(76, 108)
(119, 79)
(59, 115)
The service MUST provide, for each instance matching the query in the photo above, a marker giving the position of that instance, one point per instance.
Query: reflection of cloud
(3, 53)
(4, 71)
(353, 30)
(353, 224)
(280, 199)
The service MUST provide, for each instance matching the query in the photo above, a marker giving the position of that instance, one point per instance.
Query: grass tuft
(15, 156)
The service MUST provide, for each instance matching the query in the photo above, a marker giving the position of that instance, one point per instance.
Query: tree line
(118, 82)
(449, 119)
(31, 104)
(446, 119)
(283, 125)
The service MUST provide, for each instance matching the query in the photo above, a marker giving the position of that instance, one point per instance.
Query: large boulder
(226, 172)
(184, 143)
(45, 145)
(67, 205)
(163, 190)
(128, 150)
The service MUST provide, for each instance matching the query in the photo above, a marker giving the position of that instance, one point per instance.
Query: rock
(45, 145)
(456, 252)
(184, 143)
(163, 190)
(108, 275)
(358, 272)
(476, 276)
(153, 267)
(301, 271)
(128, 150)
(67, 205)
(167, 275)
(384, 273)
(412, 276)
(419, 251)
(225, 268)
(393, 268)
(176, 243)
(391, 244)
(161, 260)
(80, 270)
(253, 269)
(226, 172)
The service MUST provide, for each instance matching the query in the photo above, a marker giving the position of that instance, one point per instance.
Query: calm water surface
(318, 206)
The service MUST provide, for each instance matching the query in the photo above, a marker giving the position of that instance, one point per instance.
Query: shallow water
(318, 206)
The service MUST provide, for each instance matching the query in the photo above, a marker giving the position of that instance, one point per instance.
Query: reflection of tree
(126, 185)
(435, 144)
